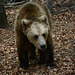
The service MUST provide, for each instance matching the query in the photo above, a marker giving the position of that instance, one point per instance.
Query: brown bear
(33, 29)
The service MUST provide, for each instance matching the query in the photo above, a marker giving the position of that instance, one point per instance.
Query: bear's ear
(43, 18)
(25, 22)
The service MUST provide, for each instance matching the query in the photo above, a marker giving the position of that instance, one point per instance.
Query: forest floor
(64, 47)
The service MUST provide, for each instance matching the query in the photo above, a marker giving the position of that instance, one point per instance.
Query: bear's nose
(43, 46)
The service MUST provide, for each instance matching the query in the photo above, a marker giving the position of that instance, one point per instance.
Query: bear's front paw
(24, 65)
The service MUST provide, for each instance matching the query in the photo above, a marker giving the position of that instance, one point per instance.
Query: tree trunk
(3, 18)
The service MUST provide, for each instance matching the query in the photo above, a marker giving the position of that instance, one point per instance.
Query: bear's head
(36, 31)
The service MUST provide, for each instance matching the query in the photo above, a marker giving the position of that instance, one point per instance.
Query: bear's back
(29, 10)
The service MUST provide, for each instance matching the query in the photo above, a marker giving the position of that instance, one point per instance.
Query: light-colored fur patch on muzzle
(41, 43)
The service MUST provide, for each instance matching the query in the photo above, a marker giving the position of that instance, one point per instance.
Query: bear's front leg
(23, 58)
(42, 57)
(49, 59)
(32, 53)
(23, 55)
(23, 47)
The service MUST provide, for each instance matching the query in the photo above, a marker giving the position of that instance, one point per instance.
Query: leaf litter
(64, 47)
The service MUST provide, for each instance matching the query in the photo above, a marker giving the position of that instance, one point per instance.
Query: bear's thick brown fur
(32, 11)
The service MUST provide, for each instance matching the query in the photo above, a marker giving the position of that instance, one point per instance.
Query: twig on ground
(65, 10)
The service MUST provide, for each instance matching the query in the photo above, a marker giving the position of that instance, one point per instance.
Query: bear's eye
(44, 35)
(36, 37)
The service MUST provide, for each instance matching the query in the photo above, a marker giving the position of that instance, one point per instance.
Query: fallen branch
(13, 4)
(64, 5)
(70, 8)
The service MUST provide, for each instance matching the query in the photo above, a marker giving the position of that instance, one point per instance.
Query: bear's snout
(43, 46)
